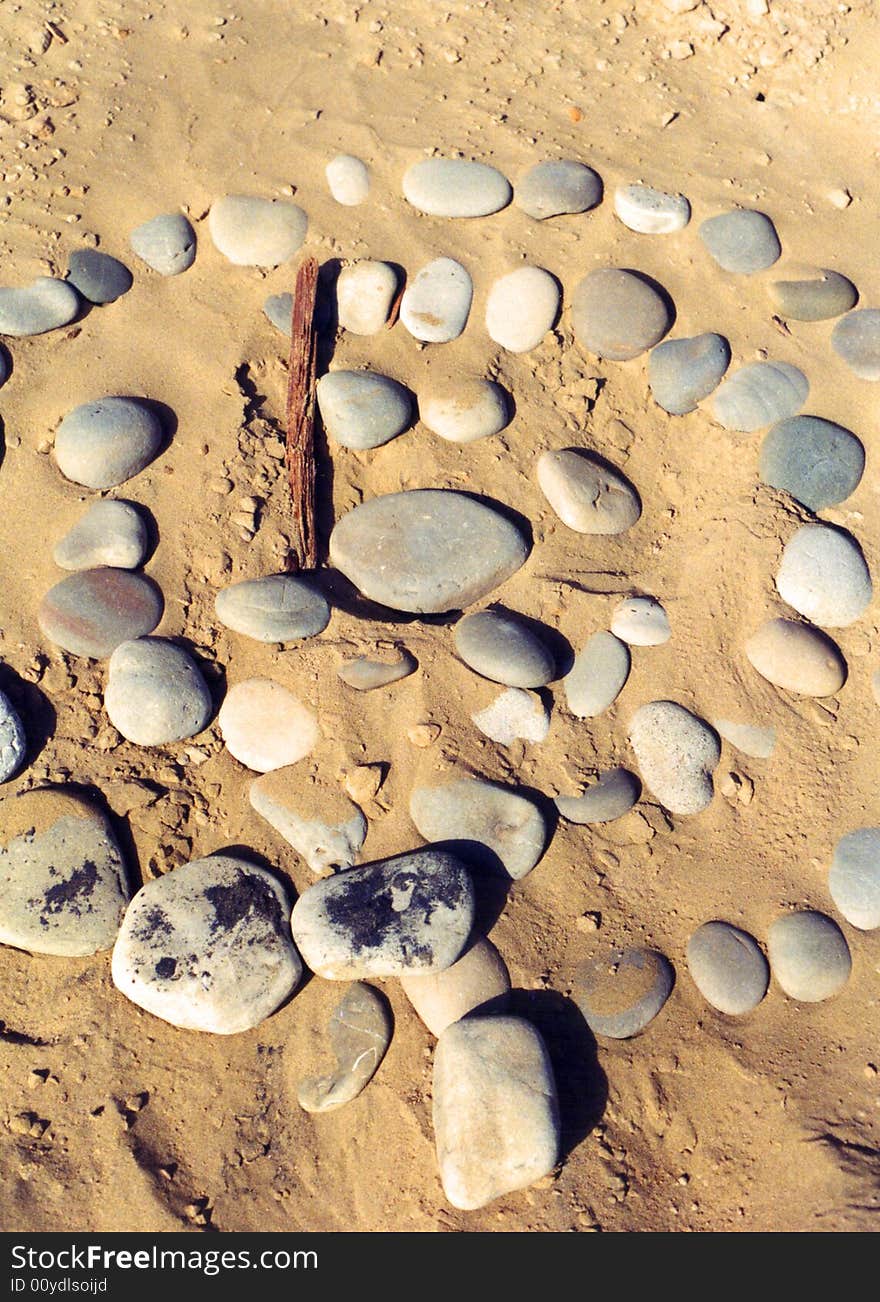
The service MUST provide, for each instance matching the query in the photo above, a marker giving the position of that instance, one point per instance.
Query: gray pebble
(276, 608)
(682, 372)
(436, 303)
(612, 795)
(759, 394)
(597, 676)
(364, 295)
(110, 533)
(809, 956)
(13, 740)
(167, 243)
(365, 674)
(155, 692)
(359, 1032)
(797, 658)
(750, 738)
(641, 621)
(587, 494)
(856, 338)
(349, 179)
(313, 814)
(812, 294)
(278, 309)
(362, 409)
(617, 314)
(45, 304)
(515, 715)
(104, 443)
(453, 187)
(728, 967)
(817, 462)
(677, 753)
(741, 241)
(620, 993)
(91, 612)
(500, 647)
(472, 809)
(649, 211)
(97, 276)
(462, 411)
(554, 188)
(854, 878)
(254, 232)
(823, 576)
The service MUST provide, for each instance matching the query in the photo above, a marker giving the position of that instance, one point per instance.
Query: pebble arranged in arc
(750, 738)
(349, 180)
(641, 621)
(854, 877)
(741, 241)
(365, 674)
(253, 232)
(587, 493)
(63, 880)
(45, 304)
(462, 411)
(167, 243)
(362, 409)
(411, 913)
(676, 753)
(651, 212)
(612, 795)
(92, 611)
(13, 739)
(436, 303)
(823, 576)
(155, 692)
(598, 676)
(682, 372)
(264, 726)
(809, 956)
(474, 981)
(207, 947)
(496, 1115)
(618, 314)
(515, 715)
(454, 187)
(426, 550)
(558, 187)
(797, 657)
(359, 1033)
(98, 277)
(111, 533)
(275, 608)
(759, 394)
(812, 294)
(364, 295)
(472, 809)
(521, 308)
(621, 993)
(501, 647)
(313, 815)
(856, 338)
(818, 462)
(728, 967)
(102, 444)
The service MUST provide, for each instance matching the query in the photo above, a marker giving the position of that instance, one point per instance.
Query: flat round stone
(264, 726)
(349, 179)
(365, 674)
(364, 294)
(104, 443)
(453, 187)
(254, 232)
(521, 308)
(436, 303)
(555, 188)
(597, 676)
(587, 494)
(741, 241)
(167, 243)
(823, 576)
(13, 740)
(622, 992)
(515, 715)
(728, 967)
(463, 411)
(500, 647)
(750, 738)
(43, 305)
(641, 621)
(313, 815)
(426, 550)
(812, 294)
(854, 878)
(359, 1032)
(412, 913)
(63, 881)
(276, 608)
(613, 794)
(110, 533)
(207, 946)
(278, 309)
(476, 980)
(155, 692)
(809, 956)
(682, 372)
(759, 394)
(856, 338)
(97, 276)
(91, 612)
(497, 818)
(797, 658)
(677, 754)
(617, 314)
(362, 409)
(651, 212)
(817, 462)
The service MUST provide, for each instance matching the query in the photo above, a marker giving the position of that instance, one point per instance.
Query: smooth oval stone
(91, 612)
(854, 878)
(478, 978)
(364, 295)
(412, 913)
(618, 315)
(621, 993)
(809, 956)
(741, 241)
(759, 394)
(597, 676)
(277, 608)
(366, 675)
(472, 809)
(856, 338)
(426, 550)
(253, 232)
(207, 946)
(313, 814)
(466, 410)
(681, 372)
(278, 309)
(500, 647)
(728, 967)
(587, 494)
(435, 305)
(453, 187)
(264, 726)
(823, 576)
(349, 179)
(515, 715)
(554, 188)
(362, 409)
(13, 740)
(495, 1110)
(812, 294)
(797, 658)
(63, 881)
(817, 462)
(97, 276)
(110, 533)
(45, 304)
(747, 737)
(677, 753)
(521, 308)
(641, 621)
(155, 692)
(167, 243)
(101, 444)
(649, 211)
(359, 1032)
(612, 795)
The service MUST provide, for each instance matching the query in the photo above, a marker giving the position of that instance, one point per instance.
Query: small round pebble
(677, 753)
(818, 462)
(759, 394)
(651, 212)
(521, 308)
(617, 314)
(45, 304)
(823, 576)
(613, 794)
(621, 993)
(681, 372)
(586, 493)
(364, 295)
(167, 244)
(349, 180)
(365, 674)
(91, 612)
(515, 715)
(555, 188)
(854, 878)
(462, 411)
(155, 692)
(856, 338)
(797, 658)
(278, 308)
(255, 232)
(809, 956)
(812, 294)
(641, 621)
(265, 727)
(104, 443)
(97, 276)
(111, 533)
(277, 608)
(362, 409)
(472, 809)
(454, 187)
(359, 1033)
(741, 241)
(502, 648)
(598, 676)
(436, 303)
(13, 740)
(728, 967)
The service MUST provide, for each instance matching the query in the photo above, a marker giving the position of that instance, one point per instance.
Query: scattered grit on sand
(111, 113)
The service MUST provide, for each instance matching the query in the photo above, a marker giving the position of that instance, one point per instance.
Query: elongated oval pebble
(111, 533)
(854, 878)
(522, 307)
(167, 243)
(276, 608)
(155, 692)
(362, 409)
(13, 740)
(677, 753)
(728, 967)
(587, 494)
(360, 1032)
(812, 294)
(823, 575)
(553, 188)
(641, 621)
(254, 232)
(649, 211)
(313, 815)
(597, 676)
(682, 372)
(617, 314)
(454, 187)
(349, 180)
(612, 795)
(495, 817)
(809, 956)
(102, 444)
(435, 305)
(797, 658)
(759, 394)
(465, 410)
(856, 338)
(364, 294)
(742, 241)
(45, 304)
(497, 645)
(818, 462)
(622, 992)
(264, 726)
(476, 980)
(97, 276)
(365, 674)
(91, 612)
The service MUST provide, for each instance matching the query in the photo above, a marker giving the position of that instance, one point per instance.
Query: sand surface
(111, 1119)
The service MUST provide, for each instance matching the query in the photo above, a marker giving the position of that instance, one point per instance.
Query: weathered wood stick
(300, 450)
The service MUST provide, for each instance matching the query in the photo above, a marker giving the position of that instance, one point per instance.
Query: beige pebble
(797, 658)
(441, 998)
(265, 726)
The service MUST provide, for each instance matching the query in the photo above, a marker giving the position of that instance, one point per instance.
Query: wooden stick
(300, 450)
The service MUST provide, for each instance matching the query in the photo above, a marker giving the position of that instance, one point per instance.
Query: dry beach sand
(110, 113)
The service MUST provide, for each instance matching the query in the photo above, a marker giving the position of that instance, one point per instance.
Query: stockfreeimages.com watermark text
(93, 1258)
